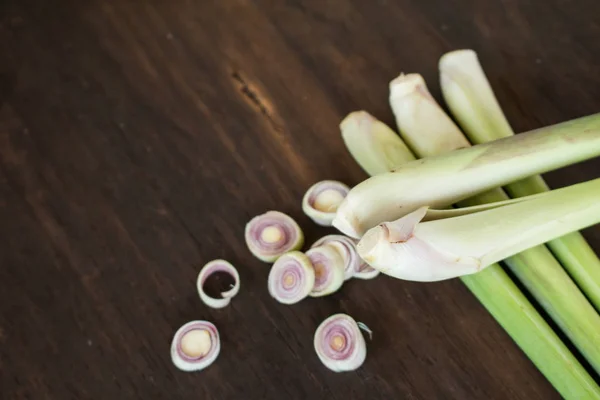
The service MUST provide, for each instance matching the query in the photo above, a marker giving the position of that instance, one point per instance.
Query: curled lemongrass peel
(339, 343)
(195, 346)
(347, 248)
(442, 180)
(211, 268)
(329, 270)
(446, 248)
(292, 278)
(272, 234)
(322, 199)
(373, 144)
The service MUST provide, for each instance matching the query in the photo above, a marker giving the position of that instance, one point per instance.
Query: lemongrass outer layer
(375, 147)
(322, 199)
(272, 234)
(473, 103)
(443, 180)
(209, 269)
(347, 248)
(339, 344)
(515, 313)
(329, 270)
(195, 346)
(292, 278)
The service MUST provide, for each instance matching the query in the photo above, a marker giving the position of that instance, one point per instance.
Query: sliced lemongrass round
(292, 278)
(339, 343)
(329, 270)
(209, 269)
(322, 200)
(347, 249)
(195, 346)
(272, 234)
(365, 271)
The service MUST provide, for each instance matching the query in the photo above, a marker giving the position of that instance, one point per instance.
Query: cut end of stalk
(373, 144)
(457, 58)
(406, 84)
(356, 120)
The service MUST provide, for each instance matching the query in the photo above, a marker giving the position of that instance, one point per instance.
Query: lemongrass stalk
(446, 179)
(373, 144)
(473, 103)
(451, 247)
(495, 290)
(536, 268)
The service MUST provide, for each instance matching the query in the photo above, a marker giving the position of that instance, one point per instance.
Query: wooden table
(138, 138)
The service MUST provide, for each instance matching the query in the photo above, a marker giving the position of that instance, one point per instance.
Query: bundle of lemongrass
(407, 231)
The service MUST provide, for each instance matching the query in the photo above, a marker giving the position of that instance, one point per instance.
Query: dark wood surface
(138, 138)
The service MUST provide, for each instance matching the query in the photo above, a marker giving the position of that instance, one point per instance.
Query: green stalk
(472, 101)
(492, 287)
(536, 268)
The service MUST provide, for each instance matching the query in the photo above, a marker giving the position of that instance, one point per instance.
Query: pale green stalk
(445, 179)
(536, 268)
(413, 248)
(473, 103)
(492, 287)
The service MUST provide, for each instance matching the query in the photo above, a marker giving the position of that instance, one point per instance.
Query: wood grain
(138, 138)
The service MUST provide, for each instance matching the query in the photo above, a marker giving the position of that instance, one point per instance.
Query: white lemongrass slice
(447, 248)
(329, 270)
(322, 199)
(272, 234)
(347, 248)
(339, 344)
(195, 346)
(292, 278)
(209, 269)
